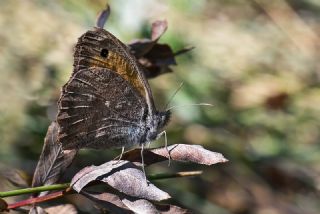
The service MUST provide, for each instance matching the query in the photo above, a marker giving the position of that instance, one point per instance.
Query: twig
(174, 175)
(66, 185)
(39, 199)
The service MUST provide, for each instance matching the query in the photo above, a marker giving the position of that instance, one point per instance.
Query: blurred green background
(257, 61)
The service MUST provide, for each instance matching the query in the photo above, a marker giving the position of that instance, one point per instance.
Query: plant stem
(39, 199)
(173, 175)
(34, 190)
(66, 185)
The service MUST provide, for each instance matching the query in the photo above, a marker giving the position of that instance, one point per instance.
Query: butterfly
(107, 102)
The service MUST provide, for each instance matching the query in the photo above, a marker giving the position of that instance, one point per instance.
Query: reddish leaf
(123, 176)
(155, 58)
(103, 17)
(178, 152)
(184, 50)
(277, 101)
(53, 160)
(140, 47)
(157, 62)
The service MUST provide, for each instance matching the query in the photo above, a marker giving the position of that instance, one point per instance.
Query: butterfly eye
(104, 53)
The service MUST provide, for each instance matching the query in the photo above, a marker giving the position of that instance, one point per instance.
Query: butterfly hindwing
(99, 109)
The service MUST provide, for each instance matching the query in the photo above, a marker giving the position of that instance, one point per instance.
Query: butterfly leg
(148, 144)
(142, 162)
(166, 145)
(122, 151)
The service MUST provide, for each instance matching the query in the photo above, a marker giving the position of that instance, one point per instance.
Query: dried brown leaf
(178, 152)
(103, 17)
(91, 173)
(171, 209)
(153, 57)
(123, 204)
(3, 205)
(158, 28)
(140, 206)
(140, 47)
(62, 209)
(191, 153)
(15, 176)
(123, 176)
(53, 160)
(109, 201)
(37, 210)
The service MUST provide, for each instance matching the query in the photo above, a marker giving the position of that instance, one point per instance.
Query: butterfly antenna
(142, 161)
(197, 104)
(174, 94)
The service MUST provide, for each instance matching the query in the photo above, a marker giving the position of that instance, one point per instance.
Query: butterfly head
(155, 125)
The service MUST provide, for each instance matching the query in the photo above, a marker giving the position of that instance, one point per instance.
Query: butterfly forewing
(88, 54)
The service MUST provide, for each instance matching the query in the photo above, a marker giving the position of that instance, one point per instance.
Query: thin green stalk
(66, 185)
(173, 175)
(34, 190)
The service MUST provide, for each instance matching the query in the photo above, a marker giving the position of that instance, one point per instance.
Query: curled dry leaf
(123, 204)
(91, 173)
(109, 201)
(103, 17)
(178, 152)
(53, 160)
(140, 206)
(191, 153)
(123, 176)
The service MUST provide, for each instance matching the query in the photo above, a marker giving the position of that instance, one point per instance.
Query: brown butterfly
(107, 102)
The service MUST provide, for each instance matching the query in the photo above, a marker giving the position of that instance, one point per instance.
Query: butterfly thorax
(154, 125)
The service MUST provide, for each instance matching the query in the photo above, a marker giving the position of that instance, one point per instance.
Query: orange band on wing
(119, 65)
